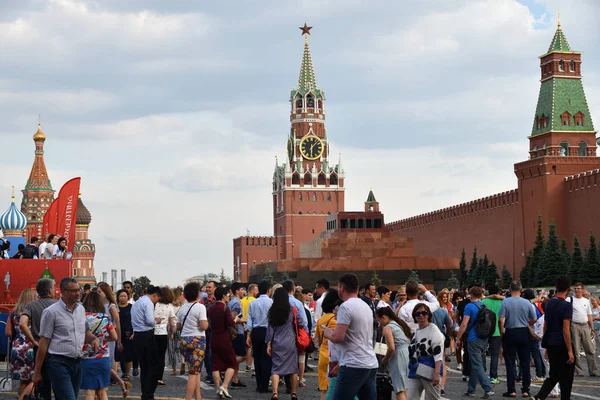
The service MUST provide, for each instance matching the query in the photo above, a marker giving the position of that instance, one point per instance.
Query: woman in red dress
(223, 356)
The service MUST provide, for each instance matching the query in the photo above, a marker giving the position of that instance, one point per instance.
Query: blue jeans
(65, 375)
(355, 382)
(476, 351)
(208, 357)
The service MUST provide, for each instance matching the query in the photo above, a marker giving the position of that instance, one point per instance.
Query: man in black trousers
(143, 322)
(256, 325)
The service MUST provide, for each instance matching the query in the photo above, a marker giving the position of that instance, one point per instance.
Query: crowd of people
(53, 247)
(369, 341)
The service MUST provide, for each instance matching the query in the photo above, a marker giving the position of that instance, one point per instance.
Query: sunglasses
(421, 314)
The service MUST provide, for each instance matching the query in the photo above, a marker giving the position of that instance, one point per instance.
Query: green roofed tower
(371, 205)
(562, 124)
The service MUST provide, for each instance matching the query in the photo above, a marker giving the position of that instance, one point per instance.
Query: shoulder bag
(186, 343)
(233, 333)
(302, 338)
(380, 347)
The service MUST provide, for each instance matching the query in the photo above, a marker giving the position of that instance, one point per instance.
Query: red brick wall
(260, 249)
(582, 195)
(493, 224)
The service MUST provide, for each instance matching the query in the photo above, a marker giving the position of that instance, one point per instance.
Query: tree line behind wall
(551, 258)
(482, 272)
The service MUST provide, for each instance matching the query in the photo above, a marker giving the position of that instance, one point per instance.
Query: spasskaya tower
(307, 187)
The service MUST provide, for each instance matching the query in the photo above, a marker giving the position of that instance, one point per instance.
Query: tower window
(328, 196)
(572, 66)
(561, 66)
(582, 149)
(564, 149)
(298, 102)
(565, 118)
(579, 119)
(537, 122)
(314, 197)
(300, 197)
(310, 101)
(299, 212)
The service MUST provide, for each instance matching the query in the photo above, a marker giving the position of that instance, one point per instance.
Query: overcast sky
(173, 112)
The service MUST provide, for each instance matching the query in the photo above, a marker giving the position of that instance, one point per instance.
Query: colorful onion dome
(13, 219)
(84, 217)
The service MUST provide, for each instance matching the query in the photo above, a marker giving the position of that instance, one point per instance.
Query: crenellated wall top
(255, 241)
(487, 203)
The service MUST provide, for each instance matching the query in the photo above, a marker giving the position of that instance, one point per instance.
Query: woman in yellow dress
(331, 300)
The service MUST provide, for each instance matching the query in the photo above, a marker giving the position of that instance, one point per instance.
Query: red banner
(50, 220)
(66, 211)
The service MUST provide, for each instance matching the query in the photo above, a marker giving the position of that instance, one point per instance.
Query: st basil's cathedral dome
(84, 217)
(13, 219)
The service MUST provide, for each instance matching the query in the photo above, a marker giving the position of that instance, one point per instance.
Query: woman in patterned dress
(192, 324)
(173, 351)
(21, 355)
(96, 365)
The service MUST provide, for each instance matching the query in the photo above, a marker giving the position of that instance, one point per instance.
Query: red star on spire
(305, 29)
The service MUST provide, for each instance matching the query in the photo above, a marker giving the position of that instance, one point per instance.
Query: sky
(173, 112)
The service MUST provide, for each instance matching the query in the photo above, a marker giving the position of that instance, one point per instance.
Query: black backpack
(30, 251)
(486, 322)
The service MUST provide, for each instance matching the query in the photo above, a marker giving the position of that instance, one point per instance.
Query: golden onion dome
(39, 136)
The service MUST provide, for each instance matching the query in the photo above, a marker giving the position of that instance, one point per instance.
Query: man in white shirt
(412, 294)
(321, 289)
(354, 340)
(42, 247)
(582, 330)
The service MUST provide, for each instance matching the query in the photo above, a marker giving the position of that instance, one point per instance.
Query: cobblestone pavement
(585, 388)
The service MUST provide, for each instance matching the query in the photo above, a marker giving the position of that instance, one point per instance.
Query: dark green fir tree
(536, 254)
(551, 261)
(375, 279)
(453, 282)
(566, 256)
(414, 276)
(268, 276)
(576, 266)
(472, 268)
(590, 272)
(463, 274)
(526, 272)
(506, 278)
(491, 276)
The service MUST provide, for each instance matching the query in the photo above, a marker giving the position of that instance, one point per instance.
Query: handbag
(425, 372)
(34, 395)
(233, 332)
(302, 338)
(380, 347)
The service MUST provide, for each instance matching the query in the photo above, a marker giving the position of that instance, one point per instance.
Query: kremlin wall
(315, 238)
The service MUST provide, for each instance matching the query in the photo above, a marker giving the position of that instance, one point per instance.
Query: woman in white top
(164, 311)
(384, 296)
(192, 322)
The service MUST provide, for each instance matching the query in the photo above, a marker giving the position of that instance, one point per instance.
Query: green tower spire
(562, 105)
(559, 42)
(307, 80)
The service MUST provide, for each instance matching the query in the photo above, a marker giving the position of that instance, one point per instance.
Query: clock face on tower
(311, 147)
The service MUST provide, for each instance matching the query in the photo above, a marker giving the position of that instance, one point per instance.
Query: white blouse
(165, 313)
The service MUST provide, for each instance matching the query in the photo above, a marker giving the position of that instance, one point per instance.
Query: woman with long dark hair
(126, 356)
(281, 342)
(60, 251)
(223, 356)
(397, 335)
